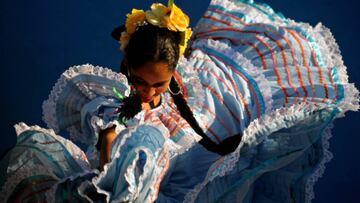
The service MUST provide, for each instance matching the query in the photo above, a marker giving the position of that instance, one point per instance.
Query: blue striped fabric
(250, 71)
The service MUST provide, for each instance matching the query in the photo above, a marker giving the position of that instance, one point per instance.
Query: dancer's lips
(147, 99)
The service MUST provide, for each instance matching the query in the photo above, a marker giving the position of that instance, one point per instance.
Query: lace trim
(22, 127)
(78, 155)
(20, 175)
(133, 190)
(191, 80)
(251, 69)
(49, 106)
(319, 171)
(330, 51)
(102, 174)
(251, 137)
(187, 142)
(98, 124)
(265, 11)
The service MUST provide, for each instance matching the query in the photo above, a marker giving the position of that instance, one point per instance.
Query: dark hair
(153, 44)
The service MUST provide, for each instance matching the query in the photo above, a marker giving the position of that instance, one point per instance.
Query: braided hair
(153, 44)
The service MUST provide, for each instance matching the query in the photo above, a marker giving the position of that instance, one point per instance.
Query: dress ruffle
(249, 71)
(139, 166)
(75, 88)
(37, 153)
(256, 133)
(213, 34)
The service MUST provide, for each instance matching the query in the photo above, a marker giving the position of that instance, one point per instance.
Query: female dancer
(243, 118)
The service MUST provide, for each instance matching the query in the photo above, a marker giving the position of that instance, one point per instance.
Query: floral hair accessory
(171, 17)
(129, 107)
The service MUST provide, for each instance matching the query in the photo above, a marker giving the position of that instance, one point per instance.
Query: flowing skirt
(248, 70)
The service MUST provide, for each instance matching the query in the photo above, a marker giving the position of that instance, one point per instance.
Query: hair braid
(154, 44)
(226, 146)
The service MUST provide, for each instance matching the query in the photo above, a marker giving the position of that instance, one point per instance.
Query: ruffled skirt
(277, 82)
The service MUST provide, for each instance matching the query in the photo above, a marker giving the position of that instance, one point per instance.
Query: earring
(177, 84)
(173, 92)
(128, 71)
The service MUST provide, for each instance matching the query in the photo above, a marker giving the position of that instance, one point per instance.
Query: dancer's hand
(225, 147)
(229, 144)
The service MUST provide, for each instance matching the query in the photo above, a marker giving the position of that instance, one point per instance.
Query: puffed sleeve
(83, 102)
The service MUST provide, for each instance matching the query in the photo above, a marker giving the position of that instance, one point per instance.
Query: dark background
(40, 39)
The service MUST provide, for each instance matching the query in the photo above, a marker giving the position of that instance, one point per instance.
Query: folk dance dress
(248, 70)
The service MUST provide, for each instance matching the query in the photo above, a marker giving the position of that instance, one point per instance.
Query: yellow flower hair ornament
(171, 17)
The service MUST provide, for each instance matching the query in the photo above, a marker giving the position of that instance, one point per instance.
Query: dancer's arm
(106, 138)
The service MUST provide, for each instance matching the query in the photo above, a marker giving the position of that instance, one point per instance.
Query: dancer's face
(151, 79)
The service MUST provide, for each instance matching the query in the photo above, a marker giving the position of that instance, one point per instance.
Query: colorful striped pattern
(288, 57)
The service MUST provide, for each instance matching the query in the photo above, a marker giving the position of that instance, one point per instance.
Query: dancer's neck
(153, 104)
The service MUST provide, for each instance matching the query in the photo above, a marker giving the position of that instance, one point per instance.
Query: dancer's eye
(138, 81)
(159, 84)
